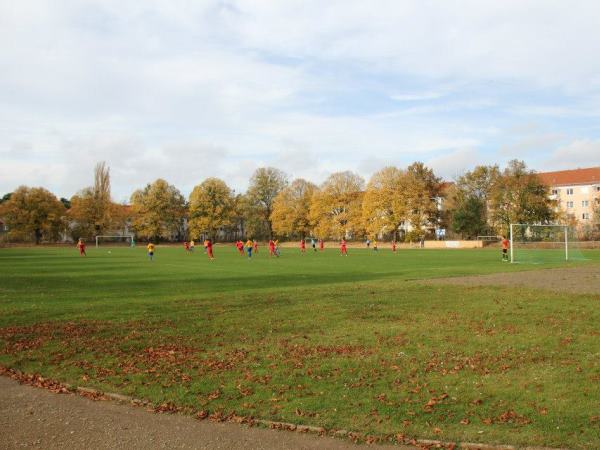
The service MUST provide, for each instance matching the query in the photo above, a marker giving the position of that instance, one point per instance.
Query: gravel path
(576, 280)
(34, 417)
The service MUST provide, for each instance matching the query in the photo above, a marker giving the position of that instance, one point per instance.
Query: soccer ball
(109, 251)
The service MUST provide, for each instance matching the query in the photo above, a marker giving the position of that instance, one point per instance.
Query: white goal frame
(127, 236)
(565, 229)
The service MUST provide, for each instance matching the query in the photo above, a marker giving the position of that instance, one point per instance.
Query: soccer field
(360, 343)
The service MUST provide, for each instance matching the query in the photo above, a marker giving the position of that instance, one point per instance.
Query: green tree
(33, 213)
(5, 197)
(66, 202)
(336, 209)
(211, 208)
(520, 196)
(469, 217)
(291, 207)
(158, 211)
(479, 183)
(265, 184)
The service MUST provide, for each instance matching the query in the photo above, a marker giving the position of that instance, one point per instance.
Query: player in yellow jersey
(150, 248)
(249, 247)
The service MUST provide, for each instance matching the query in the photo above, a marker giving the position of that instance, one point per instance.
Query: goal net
(116, 240)
(538, 244)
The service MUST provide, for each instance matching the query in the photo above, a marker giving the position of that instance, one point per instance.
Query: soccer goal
(120, 240)
(538, 244)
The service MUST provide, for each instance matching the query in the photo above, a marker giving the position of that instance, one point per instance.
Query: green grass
(356, 343)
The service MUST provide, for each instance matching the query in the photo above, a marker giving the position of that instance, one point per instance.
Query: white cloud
(416, 97)
(579, 153)
(185, 90)
(453, 164)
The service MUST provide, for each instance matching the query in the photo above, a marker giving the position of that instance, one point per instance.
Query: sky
(185, 90)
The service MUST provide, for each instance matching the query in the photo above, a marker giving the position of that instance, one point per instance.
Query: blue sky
(185, 90)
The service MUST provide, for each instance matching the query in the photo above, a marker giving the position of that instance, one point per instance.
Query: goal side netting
(539, 244)
(126, 240)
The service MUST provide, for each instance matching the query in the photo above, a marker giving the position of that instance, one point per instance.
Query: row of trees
(397, 203)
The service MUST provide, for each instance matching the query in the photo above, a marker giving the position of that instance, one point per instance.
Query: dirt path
(34, 417)
(577, 280)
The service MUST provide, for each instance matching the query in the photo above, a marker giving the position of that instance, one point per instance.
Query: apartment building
(576, 192)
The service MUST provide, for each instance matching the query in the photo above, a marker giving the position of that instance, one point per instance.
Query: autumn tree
(33, 213)
(336, 209)
(520, 196)
(595, 219)
(91, 209)
(478, 183)
(290, 215)
(265, 184)
(211, 208)
(158, 210)
(422, 193)
(385, 206)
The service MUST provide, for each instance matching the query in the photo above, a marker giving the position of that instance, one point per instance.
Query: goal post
(116, 239)
(537, 244)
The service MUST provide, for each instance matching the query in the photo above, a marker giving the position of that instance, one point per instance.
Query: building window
(569, 204)
(570, 191)
(597, 188)
(555, 191)
(585, 203)
(585, 216)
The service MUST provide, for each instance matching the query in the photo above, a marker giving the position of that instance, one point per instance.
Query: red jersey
(321, 245)
(81, 245)
(505, 244)
(302, 244)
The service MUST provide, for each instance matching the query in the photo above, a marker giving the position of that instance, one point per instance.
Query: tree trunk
(38, 236)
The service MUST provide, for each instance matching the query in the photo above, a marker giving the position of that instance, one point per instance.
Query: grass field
(358, 343)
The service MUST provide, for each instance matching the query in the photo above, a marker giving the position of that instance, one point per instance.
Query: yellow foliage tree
(265, 184)
(92, 208)
(291, 207)
(336, 209)
(33, 213)
(422, 192)
(211, 208)
(158, 210)
(385, 205)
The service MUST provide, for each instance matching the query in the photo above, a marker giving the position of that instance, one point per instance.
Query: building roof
(590, 175)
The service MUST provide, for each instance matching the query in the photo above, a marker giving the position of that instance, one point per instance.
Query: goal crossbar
(113, 236)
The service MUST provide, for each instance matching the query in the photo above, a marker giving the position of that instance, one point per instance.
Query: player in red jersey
(209, 249)
(240, 246)
(271, 247)
(186, 245)
(81, 247)
(343, 247)
(255, 247)
(321, 244)
(302, 245)
(505, 246)
(394, 245)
